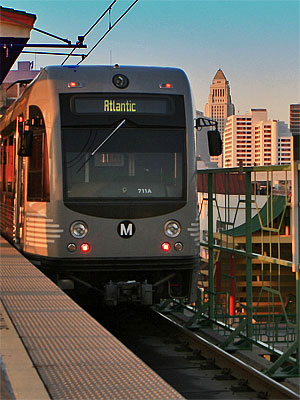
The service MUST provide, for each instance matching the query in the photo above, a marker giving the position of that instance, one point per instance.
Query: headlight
(79, 229)
(172, 229)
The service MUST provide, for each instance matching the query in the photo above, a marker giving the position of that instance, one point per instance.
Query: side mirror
(25, 148)
(214, 143)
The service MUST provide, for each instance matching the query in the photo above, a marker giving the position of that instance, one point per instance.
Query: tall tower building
(219, 106)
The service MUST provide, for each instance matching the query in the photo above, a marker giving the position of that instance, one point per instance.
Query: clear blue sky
(256, 43)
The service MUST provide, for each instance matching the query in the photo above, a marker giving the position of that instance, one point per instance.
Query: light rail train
(98, 179)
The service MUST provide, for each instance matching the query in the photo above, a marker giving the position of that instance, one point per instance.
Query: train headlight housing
(172, 228)
(79, 229)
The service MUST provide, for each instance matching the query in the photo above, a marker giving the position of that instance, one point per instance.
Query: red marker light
(20, 118)
(166, 246)
(74, 84)
(85, 247)
(166, 86)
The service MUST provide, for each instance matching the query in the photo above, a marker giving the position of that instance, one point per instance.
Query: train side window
(38, 168)
(4, 164)
(8, 165)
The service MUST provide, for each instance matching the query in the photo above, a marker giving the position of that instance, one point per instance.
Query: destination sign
(122, 105)
(119, 106)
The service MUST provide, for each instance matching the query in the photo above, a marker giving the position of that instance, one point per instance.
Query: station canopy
(15, 30)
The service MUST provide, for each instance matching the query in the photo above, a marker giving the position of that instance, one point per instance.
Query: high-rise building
(272, 143)
(237, 141)
(252, 139)
(219, 106)
(295, 119)
(295, 128)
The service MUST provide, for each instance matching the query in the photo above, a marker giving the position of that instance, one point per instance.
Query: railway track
(249, 382)
(194, 366)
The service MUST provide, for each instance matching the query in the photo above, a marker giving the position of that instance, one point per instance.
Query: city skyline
(255, 43)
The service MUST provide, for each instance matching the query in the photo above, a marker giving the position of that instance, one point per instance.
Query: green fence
(249, 275)
(249, 280)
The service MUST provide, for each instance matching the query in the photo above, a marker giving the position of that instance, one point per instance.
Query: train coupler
(128, 292)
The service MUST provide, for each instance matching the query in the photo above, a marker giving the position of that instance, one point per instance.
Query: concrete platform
(51, 348)
(20, 378)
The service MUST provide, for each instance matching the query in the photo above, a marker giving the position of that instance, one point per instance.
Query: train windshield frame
(134, 164)
(143, 162)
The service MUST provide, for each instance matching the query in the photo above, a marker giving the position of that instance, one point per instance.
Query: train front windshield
(133, 163)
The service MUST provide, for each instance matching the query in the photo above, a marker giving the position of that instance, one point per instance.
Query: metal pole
(249, 255)
(295, 222)
(210, 246)
(295, 214)
(232, 297)
(297, 275)
(296, 242)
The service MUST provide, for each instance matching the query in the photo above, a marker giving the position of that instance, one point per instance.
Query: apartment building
(252, 139)
(11, 91)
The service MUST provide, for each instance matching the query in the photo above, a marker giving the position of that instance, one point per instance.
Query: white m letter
(125, 231)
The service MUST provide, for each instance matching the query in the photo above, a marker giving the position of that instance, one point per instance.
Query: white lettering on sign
(144, 191)
(126, 231)
(119, 106)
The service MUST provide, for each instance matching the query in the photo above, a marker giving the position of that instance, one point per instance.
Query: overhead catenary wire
(108, 30)
(91, 28)
(79, 43)
(99, 19)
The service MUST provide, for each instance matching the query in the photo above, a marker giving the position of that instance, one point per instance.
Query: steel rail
(255, 377)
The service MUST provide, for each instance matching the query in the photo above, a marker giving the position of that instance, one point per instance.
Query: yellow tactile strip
(76, 357)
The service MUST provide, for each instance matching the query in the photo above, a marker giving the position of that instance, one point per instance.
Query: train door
(19, 199)
(7, 182)
(34, 187)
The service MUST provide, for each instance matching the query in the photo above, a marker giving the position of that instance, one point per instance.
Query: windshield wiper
(101, 144)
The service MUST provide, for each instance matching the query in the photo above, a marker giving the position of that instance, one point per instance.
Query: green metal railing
(252, 289)
(249, 275)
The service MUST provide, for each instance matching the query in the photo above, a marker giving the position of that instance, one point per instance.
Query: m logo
(126, 229)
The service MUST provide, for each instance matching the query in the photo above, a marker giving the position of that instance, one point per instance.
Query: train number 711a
(144, 191)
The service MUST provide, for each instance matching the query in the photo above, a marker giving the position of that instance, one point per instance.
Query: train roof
(95, 71)
(99, 77)
(116, 67)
